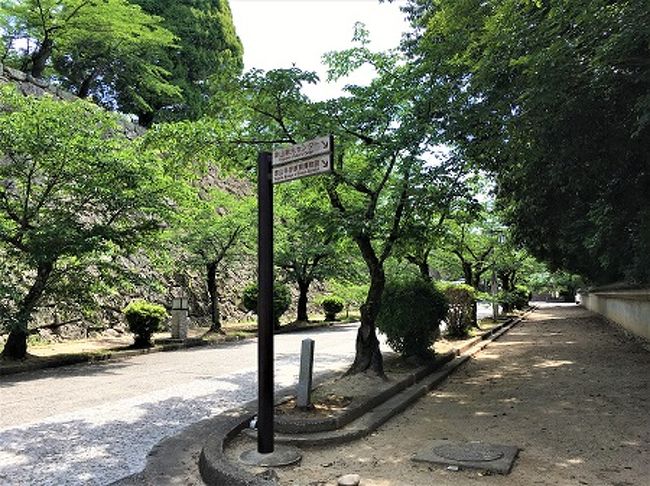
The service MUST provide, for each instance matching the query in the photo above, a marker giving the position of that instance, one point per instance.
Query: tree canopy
(205, 51)
(75, 194)
(158, 60)
(552, 98)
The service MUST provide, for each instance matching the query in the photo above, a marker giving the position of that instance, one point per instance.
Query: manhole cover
(468, 452)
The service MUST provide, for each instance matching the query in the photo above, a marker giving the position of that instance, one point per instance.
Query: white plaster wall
(629, 308)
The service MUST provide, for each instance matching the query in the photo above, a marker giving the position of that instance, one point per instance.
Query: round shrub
(332, 306)
(516, 299)
(144, 318)
(410, 316)
(281, 300)
(460, 315)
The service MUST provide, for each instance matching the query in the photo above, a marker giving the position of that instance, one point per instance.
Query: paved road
(94, 424)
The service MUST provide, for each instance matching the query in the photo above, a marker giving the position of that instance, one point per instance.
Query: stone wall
(58, 322)
(628, 308)
(31, 86)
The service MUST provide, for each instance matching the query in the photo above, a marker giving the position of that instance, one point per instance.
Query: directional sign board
(317, 146)
(302, 168)
(302, 160)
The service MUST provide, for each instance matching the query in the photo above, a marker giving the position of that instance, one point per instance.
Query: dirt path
(565, 386)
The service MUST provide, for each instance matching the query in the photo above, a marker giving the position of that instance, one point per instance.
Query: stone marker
(349, 480)
(180, 311)
(303, 399)
(472, 455)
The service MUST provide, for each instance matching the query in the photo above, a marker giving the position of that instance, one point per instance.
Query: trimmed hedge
(515, 299)
(281, 300)
(331, 306)
(144, 318)
(460, 316)
(410, 315)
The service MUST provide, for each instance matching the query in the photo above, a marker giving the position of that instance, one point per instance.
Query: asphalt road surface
(94, 424)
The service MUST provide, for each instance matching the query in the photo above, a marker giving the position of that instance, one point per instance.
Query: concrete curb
(186, 446)
(57, 361)
(284, 425)
(217, 470)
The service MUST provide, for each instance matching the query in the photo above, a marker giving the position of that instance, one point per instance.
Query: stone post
(180, 312)
(303, 399)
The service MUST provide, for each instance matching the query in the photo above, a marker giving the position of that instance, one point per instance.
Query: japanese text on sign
(302, 168)
(317, 146)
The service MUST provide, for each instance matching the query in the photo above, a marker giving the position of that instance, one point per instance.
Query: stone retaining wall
(231, 281)
(629, 308)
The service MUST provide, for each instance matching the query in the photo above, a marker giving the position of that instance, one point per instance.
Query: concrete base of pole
(282, 456)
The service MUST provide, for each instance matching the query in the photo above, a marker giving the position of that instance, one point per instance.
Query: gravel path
(565, 386)
(95, 424)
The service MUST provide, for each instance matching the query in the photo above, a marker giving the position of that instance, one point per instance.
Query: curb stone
(204, 442)
(296, 426)
(217, 470)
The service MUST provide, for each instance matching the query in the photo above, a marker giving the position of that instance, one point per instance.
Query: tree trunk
(86, 84)
(16, 345)
(425, 272)
(146, 119)
(423, 265)
(468, 274)
(40, 57)
(368, 356)
(303, 288)
(213, 293)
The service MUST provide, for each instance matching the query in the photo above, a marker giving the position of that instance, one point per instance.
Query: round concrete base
(282, 456)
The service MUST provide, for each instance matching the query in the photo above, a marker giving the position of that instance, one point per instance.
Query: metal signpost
(285, 164)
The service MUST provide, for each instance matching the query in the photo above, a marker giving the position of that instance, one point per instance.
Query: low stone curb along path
(566, 387)
(209, 437)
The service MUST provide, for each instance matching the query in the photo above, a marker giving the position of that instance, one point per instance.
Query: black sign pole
(265, 305)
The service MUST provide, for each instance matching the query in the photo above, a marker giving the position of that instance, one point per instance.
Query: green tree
(442, 190)
(553, 98)
(215, 231)
(91, 44)
(75, 194)
(308, 244)
(206, 50)
(378, 160)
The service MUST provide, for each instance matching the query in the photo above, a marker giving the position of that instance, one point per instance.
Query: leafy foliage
(144, 318)
(410, 316)
(332, 306)
(552, 98)
(76, 194)
(160, 60)
(206, 51)
(281, 300)
(213, 232)
(309, 244)
(94, 47)
(516, 298)
(461, 299)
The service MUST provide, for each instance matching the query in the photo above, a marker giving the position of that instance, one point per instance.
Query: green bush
(410, 315)
(331, 306)
(281, 300)
(460, 316)
(515, 299)
(144, 318)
